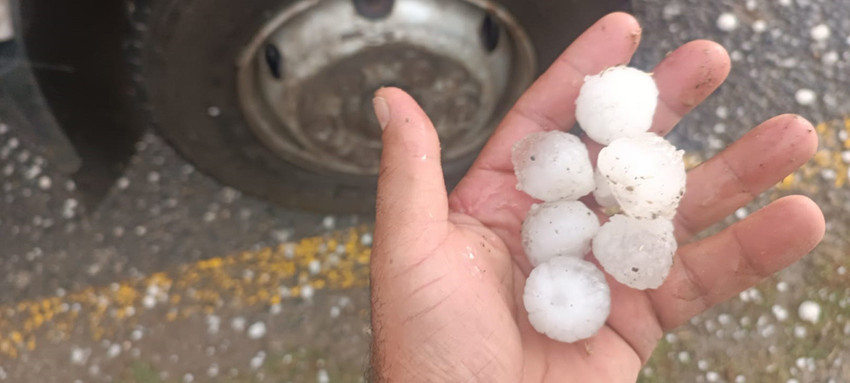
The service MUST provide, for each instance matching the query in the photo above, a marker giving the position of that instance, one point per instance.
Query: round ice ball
(558, 228)
(552, 165)
(646, 175)
(619, 102)
(636, 252)
(602, 193)
(567, 299)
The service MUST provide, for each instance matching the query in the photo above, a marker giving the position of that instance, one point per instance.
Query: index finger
(549, 104)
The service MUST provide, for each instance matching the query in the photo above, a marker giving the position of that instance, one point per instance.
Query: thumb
(411, 189)
(411, 222)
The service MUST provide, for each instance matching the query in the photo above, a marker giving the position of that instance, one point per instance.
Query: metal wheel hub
(307, 78)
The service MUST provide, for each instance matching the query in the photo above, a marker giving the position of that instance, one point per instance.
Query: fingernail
(382, 111)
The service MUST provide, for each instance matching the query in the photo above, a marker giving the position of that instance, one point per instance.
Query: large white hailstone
(552, 165)
(646, 174)
(567, 299)
(636, 252)
(602, 194)
(619, 102)
(558, 228)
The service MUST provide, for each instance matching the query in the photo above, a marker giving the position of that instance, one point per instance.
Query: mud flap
(68, 80)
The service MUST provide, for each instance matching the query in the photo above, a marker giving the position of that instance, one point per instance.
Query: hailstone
(619, 102)
(558, 228)
(552, 165)
(567, 299)
(602, 194)
(646, 175)
(636, 252)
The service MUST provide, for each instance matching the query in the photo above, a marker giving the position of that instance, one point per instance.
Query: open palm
(448, 271)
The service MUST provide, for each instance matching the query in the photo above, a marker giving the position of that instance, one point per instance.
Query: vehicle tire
(187, 64)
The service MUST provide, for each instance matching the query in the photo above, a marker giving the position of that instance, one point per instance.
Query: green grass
(303, 367)
(141, 372)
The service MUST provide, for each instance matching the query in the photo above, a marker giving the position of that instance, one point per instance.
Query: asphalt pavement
(175, 278)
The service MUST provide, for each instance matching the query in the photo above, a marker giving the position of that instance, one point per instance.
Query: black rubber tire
(188, 63)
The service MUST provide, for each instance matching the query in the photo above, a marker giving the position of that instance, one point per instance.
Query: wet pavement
(175, 278)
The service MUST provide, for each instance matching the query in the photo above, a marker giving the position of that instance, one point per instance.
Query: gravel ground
(161, 213)
(69, 276)
(787, 56)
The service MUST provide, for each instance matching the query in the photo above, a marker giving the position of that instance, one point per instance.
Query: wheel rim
(306, 79)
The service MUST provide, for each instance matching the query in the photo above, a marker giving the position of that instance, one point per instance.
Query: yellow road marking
(265, 277)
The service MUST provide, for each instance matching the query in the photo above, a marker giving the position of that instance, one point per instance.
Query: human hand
(448, 272)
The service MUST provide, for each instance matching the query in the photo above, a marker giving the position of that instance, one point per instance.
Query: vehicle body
(272, 97)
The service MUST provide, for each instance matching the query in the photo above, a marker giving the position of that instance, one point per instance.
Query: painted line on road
(264, 277)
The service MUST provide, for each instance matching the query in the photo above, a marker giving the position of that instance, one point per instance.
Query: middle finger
(731, 179)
